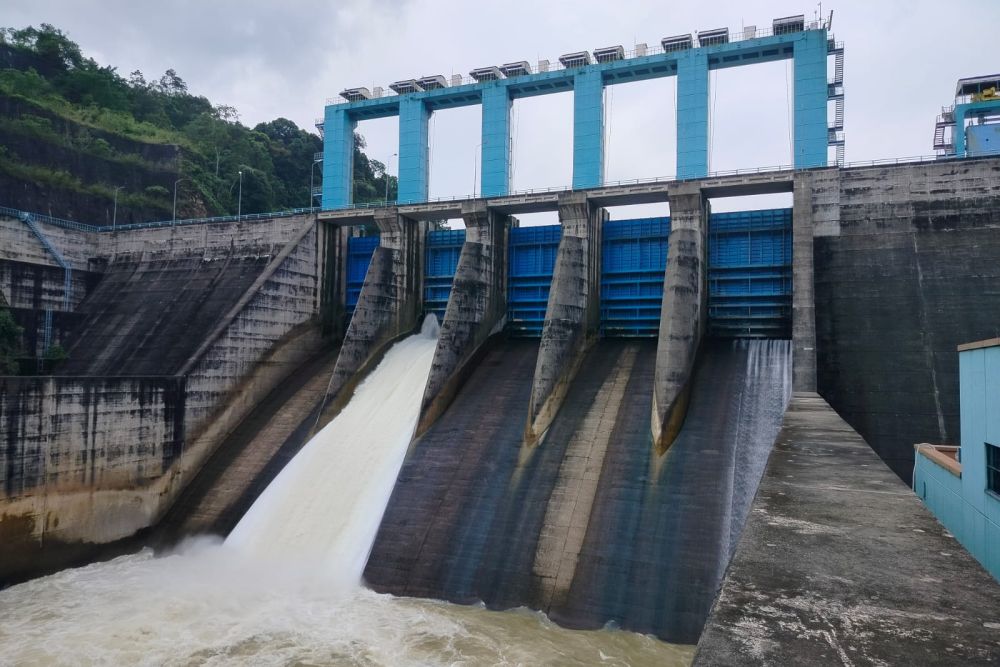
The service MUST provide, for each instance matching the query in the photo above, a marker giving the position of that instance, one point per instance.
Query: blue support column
(692, 114)
(338, 157)
(588, 129)
(958, 136)
(811, 133)
(496, 140)
(413, 153)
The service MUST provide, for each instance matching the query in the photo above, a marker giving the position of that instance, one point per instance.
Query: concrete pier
(477, 306)
(684, 313)
(840, 563)
(572, 316)
(389, 305)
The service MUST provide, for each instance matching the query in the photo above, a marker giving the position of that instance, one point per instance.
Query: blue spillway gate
(633, 262)
(532, 256)
(442, 251)
(750, 274)
(359, 255)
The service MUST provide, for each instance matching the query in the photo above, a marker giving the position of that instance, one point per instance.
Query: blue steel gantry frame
(807, 48)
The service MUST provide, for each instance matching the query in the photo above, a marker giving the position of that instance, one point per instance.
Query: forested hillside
(72, 131)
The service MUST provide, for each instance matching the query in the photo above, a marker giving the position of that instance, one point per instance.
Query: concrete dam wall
(589, 449)
(170, 351)
(149, 314)
(909, 270)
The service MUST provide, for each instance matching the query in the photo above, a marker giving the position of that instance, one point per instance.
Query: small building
(971, 126)
(961, 485)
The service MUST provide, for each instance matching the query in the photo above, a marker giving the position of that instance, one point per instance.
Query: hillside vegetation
(71, 131)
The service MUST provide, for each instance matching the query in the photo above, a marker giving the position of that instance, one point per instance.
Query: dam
(658, 439)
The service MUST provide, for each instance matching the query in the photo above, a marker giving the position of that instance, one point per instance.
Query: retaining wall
(84, 462)
(77, 456)
(909, 271)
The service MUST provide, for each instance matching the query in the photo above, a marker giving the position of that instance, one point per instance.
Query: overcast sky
(271, 59)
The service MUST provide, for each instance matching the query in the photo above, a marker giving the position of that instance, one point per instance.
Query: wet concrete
(663, 527)
(589, 525)
(435, 530)
(841, 564)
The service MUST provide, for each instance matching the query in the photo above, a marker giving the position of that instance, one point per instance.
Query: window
(992, 468)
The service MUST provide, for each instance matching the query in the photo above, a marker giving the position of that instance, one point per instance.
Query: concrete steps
(148, 315)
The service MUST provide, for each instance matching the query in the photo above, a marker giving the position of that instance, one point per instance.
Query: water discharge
(285, 587)
(324, 508)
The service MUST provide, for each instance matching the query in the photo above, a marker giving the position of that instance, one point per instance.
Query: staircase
(835, 92)
(29, 220)
(943, 143)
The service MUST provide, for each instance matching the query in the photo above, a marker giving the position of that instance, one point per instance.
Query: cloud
(270, 59)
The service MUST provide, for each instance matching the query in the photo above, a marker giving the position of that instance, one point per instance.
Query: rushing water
(322, 511)
(284, 589)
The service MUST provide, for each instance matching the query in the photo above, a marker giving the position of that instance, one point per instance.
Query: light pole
(174, 217)
(114, 216)
(312, 170)
(239, 200)
(386, 174)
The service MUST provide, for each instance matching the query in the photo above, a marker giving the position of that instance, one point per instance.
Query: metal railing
(83, 227)
(219, 218)
(661, 179)
(562, 188)
(79, 226)
(49, 220)
(740, 35)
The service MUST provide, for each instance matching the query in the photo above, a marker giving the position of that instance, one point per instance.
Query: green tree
(277, 157)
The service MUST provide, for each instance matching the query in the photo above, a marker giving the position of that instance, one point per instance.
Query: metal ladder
(46, 340)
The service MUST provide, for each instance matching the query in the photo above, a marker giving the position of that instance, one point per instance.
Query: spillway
(590, 526)
(283, 588)
(665, 527)
(476, 515)
(250, 457)
(436, 527)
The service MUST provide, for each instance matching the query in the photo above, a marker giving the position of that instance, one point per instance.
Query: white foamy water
(323, 510)
(284, 589)
(202, 607)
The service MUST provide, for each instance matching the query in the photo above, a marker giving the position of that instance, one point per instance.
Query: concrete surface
(434, 534)
(840, 564)
(573, 312)
(683, 317)
(78, 460)
(92, 460)
(390, 301)
(477, 307)
(621, 194)
(910, 271)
